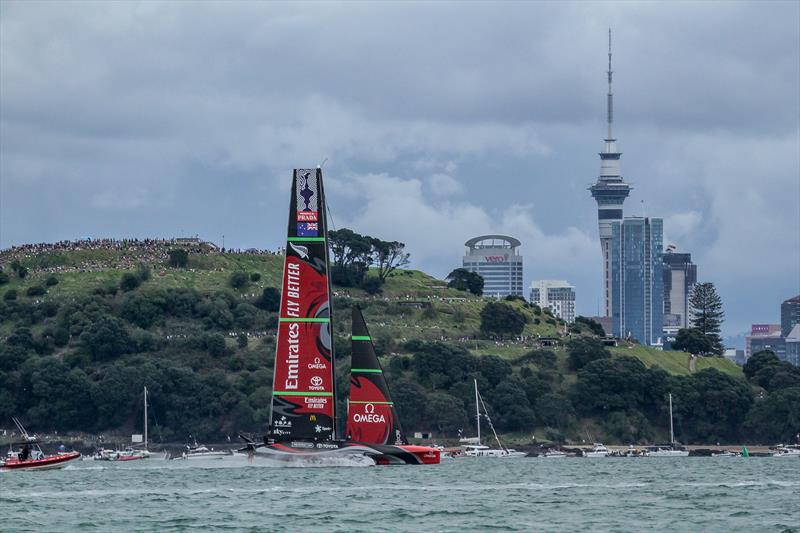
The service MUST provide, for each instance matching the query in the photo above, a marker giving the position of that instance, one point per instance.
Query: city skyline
(161, 130)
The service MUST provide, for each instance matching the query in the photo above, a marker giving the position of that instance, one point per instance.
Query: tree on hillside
(178, 258)
(3, 278)
(129, 282)
(776, 417)
(692, 340)
(707, 314)
(270, 300)
(464, 280)
(758, 361)
(584, 350)
(239, 279)
(501, 319)
(388, 256)
(351, 254)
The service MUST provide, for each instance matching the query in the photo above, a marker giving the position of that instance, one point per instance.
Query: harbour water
(668, 494)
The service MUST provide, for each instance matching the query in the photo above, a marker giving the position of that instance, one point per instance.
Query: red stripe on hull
(51, 461)
(426, 454)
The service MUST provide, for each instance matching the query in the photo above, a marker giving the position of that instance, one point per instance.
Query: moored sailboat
(130, 453)
(671, 450)
(472, 446)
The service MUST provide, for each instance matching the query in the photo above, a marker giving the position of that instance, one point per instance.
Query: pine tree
(707, 314)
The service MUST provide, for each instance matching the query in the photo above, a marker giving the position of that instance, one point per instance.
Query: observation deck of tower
(609, 191)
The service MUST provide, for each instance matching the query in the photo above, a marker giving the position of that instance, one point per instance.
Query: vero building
(637, 279)
(496, 259)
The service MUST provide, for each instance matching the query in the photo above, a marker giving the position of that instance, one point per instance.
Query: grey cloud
(187, 117)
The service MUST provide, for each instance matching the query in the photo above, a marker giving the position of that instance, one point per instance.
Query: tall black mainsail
(303, 403)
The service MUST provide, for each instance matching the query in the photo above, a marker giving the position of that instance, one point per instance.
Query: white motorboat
(790, 450)
(666, 451)
(199, 451)
(726, 453)
(553, 454)
(598, 450)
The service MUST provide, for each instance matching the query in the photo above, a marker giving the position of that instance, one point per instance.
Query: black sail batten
(303, 394)
(368, 384)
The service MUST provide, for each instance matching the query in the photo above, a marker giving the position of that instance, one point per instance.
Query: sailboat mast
(477, 411)
(145, 418)
(671, 434)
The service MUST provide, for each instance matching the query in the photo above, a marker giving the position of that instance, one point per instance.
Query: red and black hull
(381, 454)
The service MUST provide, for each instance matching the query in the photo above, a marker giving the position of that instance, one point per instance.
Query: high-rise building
(760, 332)
(792, 343)
(680, 275)
(495, 258)
(637, 279)
(790, 315)
(610, 192)
(556, 295)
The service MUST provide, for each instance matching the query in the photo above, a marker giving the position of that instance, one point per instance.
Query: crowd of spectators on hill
(133, 252)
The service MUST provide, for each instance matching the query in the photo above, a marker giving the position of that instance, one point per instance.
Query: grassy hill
(208, 361)
(455, 315)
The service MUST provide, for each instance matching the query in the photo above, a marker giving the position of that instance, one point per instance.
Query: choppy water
(664, 494)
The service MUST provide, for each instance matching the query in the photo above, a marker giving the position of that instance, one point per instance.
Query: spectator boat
(598, 450)
(790, 450)
(31, 457)
(472, 446)
(671, 450)
(130, 453)
(199, 451)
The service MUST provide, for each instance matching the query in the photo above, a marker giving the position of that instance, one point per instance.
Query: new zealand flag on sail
(308, 229)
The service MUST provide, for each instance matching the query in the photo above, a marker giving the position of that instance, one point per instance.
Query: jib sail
(371, 416)
(303, 403)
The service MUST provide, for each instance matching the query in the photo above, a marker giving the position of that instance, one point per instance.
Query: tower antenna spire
(610, 108)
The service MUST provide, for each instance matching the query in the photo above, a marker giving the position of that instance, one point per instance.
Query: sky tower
(610, 192)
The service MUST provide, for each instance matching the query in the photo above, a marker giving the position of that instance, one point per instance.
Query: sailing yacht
(472, 446)
(130, 453)
(671, 450)
(303, 408)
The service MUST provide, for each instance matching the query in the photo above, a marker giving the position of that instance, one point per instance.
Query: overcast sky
(440, 122)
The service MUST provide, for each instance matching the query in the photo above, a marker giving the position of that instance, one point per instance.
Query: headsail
(303, 403)
(371, 416)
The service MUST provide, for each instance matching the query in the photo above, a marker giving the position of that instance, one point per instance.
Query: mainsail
(303, 403)
(371, 416)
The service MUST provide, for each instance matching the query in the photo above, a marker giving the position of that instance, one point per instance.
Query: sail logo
(300, 250)
(293, 357)
(315, 402)
(316, 383)
(369, 416)
(292, 289)
(317, 364)
(306, 216)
